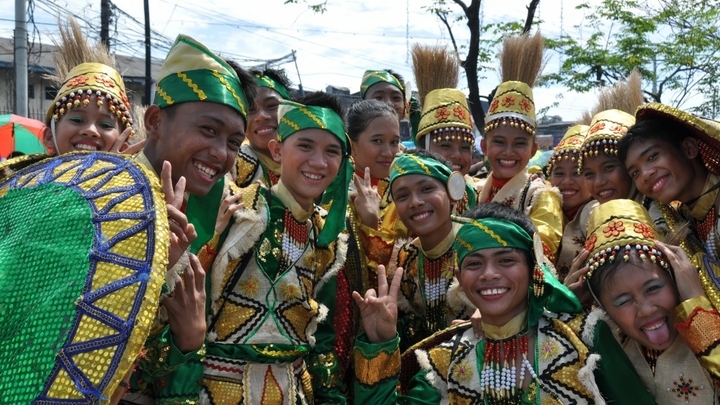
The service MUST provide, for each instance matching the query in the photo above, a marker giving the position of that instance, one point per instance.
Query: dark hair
(321, 99)
(502, 211)
(279, 75)
(656, 128)
(362, 112)
(398, 76)
(247, 82)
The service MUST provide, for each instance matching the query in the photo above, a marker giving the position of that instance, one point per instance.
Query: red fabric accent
(570, 214)
(361, 173)
(499, 183)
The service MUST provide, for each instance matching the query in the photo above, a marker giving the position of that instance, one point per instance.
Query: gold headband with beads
(617, 228)
(88, 80)
(606, 130)
(512, 105)
(569, 146)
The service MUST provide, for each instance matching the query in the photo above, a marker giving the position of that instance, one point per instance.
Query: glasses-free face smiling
(641, 300)
(508, 150)
(423, 205)
(388, 94)
(571, 184)
(606, 178)
(496, 280)
(310, 160)
(89, 128)
(263, 120)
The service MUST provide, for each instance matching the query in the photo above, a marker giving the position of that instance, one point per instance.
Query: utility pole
(300, 88)
(21, 59)
(148, 61)
(105, 23)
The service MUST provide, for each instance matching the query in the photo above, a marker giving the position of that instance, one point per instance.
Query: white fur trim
(341, 248)
(312, 326)
(457, 300)
(587, 378)
(172, 277)
(431, 376)
(588, 333)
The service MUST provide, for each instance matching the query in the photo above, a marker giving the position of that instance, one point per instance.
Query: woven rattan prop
(83, 251)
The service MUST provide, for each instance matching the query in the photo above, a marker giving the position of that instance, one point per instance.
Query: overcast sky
(332, 48)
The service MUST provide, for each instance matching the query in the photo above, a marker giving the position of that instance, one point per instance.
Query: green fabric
(33, 327)
(490, 233)
(202, 212)
(299, 117)
(251, 353)
(379, 76)
(410, 163)
(270, 83)
(212, 87)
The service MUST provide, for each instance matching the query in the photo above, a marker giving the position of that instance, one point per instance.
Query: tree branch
(463, 6)
(443, 18)
(530, 15)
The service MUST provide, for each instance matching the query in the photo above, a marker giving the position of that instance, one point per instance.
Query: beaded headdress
(191, 72)
(618, 228)
(705, 130)
(513, 103)
(86, 74)
(546, 292)
(445, 116)
(294, 117)
(72, 337)
(371, 77)
(569, 146)
(606, 129)
(613, 117)
(270, 83)
(410, 163)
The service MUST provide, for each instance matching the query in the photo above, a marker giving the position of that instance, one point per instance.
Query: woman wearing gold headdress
(91, 111)
(509, 143)
(651, 290)
(563, 167)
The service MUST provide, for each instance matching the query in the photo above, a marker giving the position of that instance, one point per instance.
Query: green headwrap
(411, 163)
(295, 117)
(490, 233)
(379, 76)
(191, 72)
(270, 83)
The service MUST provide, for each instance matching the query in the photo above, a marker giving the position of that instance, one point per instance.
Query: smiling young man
(196, 124)
(530, 352)
(255, 161)
(272, 298)
(424, 190)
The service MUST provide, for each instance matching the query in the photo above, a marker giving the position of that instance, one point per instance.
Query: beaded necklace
(496, 185)
(435, 278)
(651, 356)
(500, 380)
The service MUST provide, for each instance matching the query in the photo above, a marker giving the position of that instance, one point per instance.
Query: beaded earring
(538, 273)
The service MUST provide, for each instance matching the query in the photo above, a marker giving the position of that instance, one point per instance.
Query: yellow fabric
(547, 215)
(512, 99)
(683, 311)
(288, 200)
(444, 108)
(268, 163)
(444, 245)
(512, 328)
(705, 202)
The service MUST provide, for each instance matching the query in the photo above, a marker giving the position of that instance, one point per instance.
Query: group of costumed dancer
(235, 244)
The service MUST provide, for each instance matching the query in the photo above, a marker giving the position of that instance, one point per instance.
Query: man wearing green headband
(422, 189)
(195, 128)
(255, 162)
(531, 352)
(273, 285)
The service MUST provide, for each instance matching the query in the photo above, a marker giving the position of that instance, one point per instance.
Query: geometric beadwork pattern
(84, 244)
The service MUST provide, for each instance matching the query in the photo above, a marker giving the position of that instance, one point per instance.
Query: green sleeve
(615, 375)
(323, 361)
(377, 368)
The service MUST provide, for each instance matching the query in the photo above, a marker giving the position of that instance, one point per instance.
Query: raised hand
(379, 309)
(686, 275)
(574, 280)
(186, 308)
(182, 233)
(121, 145)
(228, 207)
(367, 201)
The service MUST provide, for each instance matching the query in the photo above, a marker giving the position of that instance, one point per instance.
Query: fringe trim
(341, 248)
(588, 332)
(312, 326)
(248, 227)
(172, 277)
(457, 300)
(587, 378)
